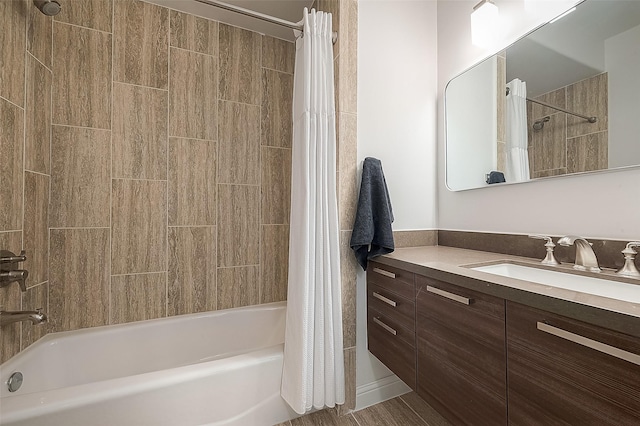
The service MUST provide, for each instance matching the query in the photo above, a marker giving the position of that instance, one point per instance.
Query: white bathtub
(213, 368)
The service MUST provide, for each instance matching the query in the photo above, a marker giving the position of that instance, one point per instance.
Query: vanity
(486, 349)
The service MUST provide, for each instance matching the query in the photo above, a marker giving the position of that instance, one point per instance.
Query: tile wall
(146, 164)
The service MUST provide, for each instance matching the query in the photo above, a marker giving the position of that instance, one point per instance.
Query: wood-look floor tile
(82, 83)
(35, 298)
(274, 263)
(138, 297)
(325, 417)
(393, 412)
(588, 97)
(80, 177)
(347, 169)
(238, 225)
(277, 102)
(36, 227)
(194, 33)
(141, 48)
(79, 278)
(588, 153)
(349, 269)
(424, 410)
(192, 270)
(11, 172)
(139, 132)
(192, 171)
(276, 185)
(193, 95)
(239, 136)
(13, 15)
(10, 300)
(138, 226)
(38, 117)
(277, 54)
(39, 36)
(94, 14)
(240, 59)
(238, 286)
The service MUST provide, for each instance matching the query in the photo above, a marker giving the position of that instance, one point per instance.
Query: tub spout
(10, 317)
(585, 257)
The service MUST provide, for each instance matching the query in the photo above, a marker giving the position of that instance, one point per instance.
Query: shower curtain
(517, 157)
(313, 370)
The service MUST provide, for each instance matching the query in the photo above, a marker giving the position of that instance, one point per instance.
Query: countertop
(452, 265)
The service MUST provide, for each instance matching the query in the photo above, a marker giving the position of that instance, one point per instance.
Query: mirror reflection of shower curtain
(517, 157)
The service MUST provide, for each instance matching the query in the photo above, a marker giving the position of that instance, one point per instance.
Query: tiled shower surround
(147, 162)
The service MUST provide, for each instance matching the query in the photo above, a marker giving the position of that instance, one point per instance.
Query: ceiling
(289, 10)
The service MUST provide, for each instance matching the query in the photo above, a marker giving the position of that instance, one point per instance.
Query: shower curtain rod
(589, 119)
(258, 15)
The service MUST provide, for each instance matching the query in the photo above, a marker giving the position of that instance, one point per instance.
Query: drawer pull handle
(385, 326)
(384, 299)
(455, 297)
(385, 273)
(589, 343)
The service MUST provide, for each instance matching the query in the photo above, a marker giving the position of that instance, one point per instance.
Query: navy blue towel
(372, 234)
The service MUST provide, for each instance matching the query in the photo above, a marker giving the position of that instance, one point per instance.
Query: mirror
(564, 99)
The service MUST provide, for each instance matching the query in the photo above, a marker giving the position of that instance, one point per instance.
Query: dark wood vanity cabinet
(566, 372)
(461, 353)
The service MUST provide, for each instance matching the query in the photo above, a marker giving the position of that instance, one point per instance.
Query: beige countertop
(452, 264)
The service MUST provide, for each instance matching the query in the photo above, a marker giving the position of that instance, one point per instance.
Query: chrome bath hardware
(10, 317)
(549, 259)
(585, 257)
(15, 381)
(629, 269)
(9, 271)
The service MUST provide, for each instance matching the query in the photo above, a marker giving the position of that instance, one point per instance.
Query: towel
(372, 235)
(495, 177)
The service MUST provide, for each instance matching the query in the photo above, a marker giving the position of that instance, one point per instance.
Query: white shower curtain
(313, 371)
(517, 157)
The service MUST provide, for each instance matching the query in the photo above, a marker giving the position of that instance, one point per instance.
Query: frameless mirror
(564, 99)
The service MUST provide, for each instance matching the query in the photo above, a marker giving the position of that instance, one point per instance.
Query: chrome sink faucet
(585, 257)
(9, 317)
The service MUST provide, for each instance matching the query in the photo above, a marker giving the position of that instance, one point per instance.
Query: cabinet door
(461, 353)
(565, 372)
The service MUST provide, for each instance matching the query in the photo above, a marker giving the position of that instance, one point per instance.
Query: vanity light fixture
(484, 23)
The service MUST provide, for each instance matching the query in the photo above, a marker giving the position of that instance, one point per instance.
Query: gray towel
(372, 235)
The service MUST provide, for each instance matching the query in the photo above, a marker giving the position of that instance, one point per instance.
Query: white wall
(603, 205)
(397, 90)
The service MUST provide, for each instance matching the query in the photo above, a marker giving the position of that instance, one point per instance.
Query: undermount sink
(597, 286)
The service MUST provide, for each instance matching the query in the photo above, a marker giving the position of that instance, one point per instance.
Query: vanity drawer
(399, 309)
(392, 279)
(393, 350)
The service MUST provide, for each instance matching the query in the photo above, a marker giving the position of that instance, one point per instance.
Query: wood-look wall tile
(551, 172)
(11, 158)
(276, 185)
(141, 43)
(238, 225)
(239, 141)
(277, 103)
(277, 54)
(35, 298)
(10, 300)
(238, 286)
(39, 35)
(36, 227)
(138, 226)
(13, 14)
(193, 95)
(138, 297)
(192, 182)
(348, 58)
(240, 59)
(139, 132)
(194, 33)
(79, 278)
(80, 177)
(588, 97)
(38, 117)
(347, 169)
(348, 269)
(588, 153)
(550, 144)
(350, 383)
(274, 263)
(501, 101)
(192, 270)
(96, 14)
(556, 98)
(82, 83)
(393, 412)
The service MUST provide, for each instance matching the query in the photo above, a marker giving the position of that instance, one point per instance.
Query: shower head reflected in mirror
(48, 7)
(539, 124)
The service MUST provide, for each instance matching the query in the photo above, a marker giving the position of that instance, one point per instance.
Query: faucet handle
(549, 259)
(8, 257)
(629, 269)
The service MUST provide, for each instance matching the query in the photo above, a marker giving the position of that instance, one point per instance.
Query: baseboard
(379, 390)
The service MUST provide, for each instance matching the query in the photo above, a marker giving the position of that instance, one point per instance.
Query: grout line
(240, 184)
(167, 254)
(78, 227)
(25, 89)
(32, 171)
(240, 103)
(237, 266)
(194, 139)
(135, 179)
(276, 70)
(414, 411)
(80, 127)
(139, 85)
(138, 273)
(354, 417)
(110, 313)
(39, 61)
(85, 28)
(191, 51)
(191, 226)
